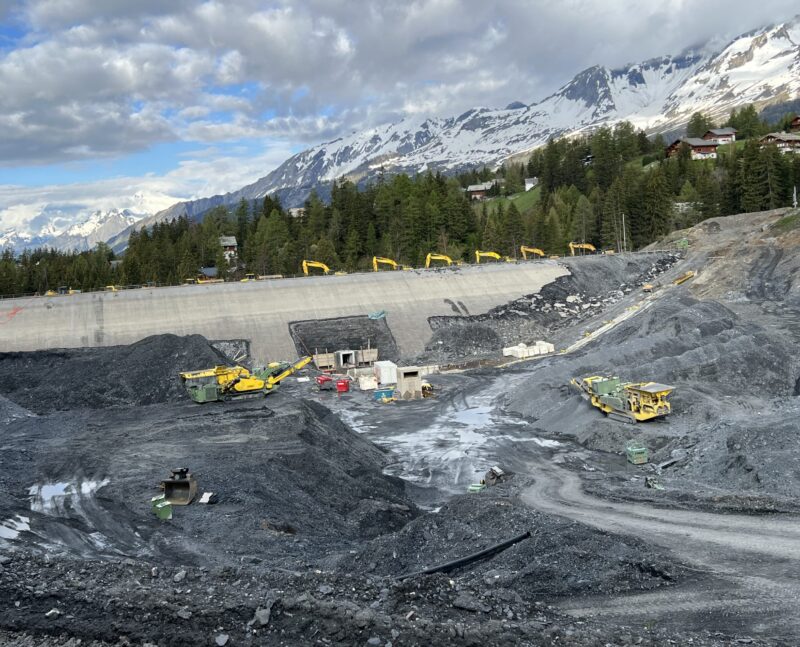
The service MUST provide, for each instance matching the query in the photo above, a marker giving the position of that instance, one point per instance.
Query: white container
(385, 372)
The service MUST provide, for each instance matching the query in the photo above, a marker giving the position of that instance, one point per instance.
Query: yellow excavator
(585, 246)
(531, 250)
(223, 383)
(380, 260)
(320, 266)
(626, 402)
(437, 257)
(479, 255)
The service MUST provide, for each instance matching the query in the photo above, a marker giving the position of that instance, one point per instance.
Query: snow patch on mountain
(65, 234)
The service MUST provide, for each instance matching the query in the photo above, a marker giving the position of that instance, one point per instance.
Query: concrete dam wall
(262, 311)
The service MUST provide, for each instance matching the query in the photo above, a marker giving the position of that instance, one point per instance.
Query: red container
(342, 386)
(324, 382)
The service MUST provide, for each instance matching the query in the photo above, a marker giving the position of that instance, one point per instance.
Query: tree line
(612, 188)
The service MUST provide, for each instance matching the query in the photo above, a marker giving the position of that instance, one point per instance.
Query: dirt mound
(463, 339)
(594, 283)
(292, 480)
(560, 558)
(251, 605)
(10, 411)
(93, 378)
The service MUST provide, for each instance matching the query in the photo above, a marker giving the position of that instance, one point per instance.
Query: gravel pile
(93, 378)
(594, 283)
(134, 602)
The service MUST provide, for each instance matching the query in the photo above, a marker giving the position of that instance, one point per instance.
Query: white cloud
(207, 172)
(93, 80)
(89, 79)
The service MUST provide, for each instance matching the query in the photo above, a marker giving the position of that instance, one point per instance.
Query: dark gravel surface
(594, 284)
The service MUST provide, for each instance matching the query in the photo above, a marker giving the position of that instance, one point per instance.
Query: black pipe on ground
(463, 561)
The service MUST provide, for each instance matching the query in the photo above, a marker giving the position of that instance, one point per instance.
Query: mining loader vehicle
(625, 401)
(227, 382)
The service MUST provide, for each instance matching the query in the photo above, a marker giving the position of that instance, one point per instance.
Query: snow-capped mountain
(58, 232)
(659, 95)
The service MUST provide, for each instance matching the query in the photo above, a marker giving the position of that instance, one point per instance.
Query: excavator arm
(531, 250)
(479, 255)
(586, 246)
(274, 380)
(437, 257)
(307, 264)
(379, 260)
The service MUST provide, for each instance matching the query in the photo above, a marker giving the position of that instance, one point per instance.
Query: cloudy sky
(101, 100)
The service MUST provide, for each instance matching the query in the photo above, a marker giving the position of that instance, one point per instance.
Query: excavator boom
(479, 255)
(531, 250)
(379, 260)
(437, 257)
(586, 246)
(321, 266)
(274, 380)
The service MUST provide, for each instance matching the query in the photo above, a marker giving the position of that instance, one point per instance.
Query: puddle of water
(10, 528)
(55, 498)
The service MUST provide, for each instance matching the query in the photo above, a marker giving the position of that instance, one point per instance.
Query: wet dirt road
(748, 566)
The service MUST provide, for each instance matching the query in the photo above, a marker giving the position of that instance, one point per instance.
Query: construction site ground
(327, 501)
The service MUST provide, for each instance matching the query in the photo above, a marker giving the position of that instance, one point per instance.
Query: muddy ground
(326, 502)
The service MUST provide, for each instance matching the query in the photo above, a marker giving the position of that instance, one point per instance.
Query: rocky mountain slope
(96, 227)
(659, 95)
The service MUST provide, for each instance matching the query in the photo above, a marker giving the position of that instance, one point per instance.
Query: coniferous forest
(611, 187)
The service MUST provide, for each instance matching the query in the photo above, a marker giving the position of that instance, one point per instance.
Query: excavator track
(621, 417)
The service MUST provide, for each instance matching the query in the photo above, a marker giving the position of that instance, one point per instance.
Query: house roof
(694, 142)
(718, 132)
(784, 137)
(485, 186)
(227, 241)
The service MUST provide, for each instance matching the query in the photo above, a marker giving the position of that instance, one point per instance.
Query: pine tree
(325, 252)
(754, 180)
(492, 235)
(513, 231)
(699, 124)
(656, 209)
(777, 177)
(242, 223)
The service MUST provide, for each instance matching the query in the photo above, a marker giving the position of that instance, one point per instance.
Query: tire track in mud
(751, 564)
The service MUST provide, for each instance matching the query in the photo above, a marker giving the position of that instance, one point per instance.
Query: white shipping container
(386, 372)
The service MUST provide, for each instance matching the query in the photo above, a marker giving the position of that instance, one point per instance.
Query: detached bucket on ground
(180, 488)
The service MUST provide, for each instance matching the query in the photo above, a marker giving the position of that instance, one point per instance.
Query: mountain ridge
(658, 95)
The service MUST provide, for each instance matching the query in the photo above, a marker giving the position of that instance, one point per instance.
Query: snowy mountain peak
(63, 233)
(657, 95)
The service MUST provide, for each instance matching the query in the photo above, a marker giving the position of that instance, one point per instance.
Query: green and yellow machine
(626, 401)
(228, 382)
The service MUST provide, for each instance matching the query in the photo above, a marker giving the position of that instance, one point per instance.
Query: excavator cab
(180, 488)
